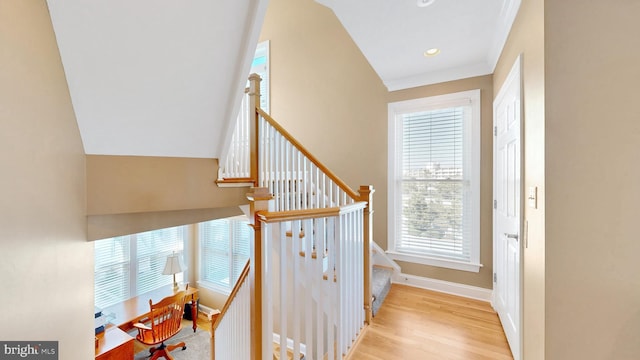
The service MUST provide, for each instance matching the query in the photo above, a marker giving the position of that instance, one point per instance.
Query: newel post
(259, 200)
(366, 194)
(254, 102)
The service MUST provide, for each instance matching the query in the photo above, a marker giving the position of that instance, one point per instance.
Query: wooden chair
(165, 321)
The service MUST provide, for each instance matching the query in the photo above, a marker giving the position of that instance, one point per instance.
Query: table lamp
(173, 267)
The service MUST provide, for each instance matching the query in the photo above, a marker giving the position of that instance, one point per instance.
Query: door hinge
(495, 204)
(495, 277)
(495, 131)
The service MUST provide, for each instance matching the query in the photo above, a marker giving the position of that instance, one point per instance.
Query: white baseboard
(209, 312)
(381, 258)
(447, 287)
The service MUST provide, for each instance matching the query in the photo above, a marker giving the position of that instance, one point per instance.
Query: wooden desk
(136, 309)
(114, 344)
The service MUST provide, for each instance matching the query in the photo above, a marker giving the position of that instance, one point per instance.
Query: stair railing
(291, 180)
(298, 180)
(312, 300)
(236, 165)
(230, 331)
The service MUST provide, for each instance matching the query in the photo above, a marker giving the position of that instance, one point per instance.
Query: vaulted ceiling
(164, 77)
(394, 34)
(156, 77)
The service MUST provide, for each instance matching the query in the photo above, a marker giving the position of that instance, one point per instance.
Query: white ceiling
(165, 77)
(156, 77)
(393, 35)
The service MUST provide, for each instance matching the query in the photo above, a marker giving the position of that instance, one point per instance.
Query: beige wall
(527, 39)
(327, 95)
(485, 84)
(324, 93)
(135, 184)
(593, 200)
(47, 266)
(130, 194)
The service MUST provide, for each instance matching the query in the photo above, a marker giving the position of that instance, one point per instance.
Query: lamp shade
(173, 265)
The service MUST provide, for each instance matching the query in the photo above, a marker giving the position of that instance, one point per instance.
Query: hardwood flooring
(422, 325)
(417, 324)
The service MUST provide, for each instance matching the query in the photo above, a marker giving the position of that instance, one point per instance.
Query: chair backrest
(166, 316)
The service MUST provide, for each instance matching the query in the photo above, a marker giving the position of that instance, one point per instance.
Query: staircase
(381, 284)
(309, 278)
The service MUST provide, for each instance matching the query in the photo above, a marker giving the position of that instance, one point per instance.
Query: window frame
(262, 69)
(235, 221)
(395, 112)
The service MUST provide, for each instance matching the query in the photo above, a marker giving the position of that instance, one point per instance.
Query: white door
(506, 214)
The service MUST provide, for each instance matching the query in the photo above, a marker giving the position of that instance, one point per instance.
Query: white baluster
(308, 286)
(267, 290)
(284, 308)
(318, 231)
(297, 295)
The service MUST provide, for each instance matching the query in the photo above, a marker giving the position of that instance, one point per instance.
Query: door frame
(515, 71)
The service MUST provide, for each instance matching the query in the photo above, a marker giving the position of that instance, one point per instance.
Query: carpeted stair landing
(381, 283)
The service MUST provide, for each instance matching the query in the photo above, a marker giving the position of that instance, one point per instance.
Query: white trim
(468, 291)
(439, 76)
(505, 22)
(515, 75)
(440, 101)
(426, 260)
(380, 257)
(209, 312)
(251, 33)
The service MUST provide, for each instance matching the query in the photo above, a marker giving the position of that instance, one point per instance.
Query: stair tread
(380, 285)
(380, 277)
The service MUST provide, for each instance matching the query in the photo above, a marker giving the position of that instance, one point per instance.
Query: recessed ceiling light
(425, 3)
(432, 52)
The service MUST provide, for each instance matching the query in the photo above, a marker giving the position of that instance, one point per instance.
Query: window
(224, 250)
(434, 180)
(260, 66)
(127, 266)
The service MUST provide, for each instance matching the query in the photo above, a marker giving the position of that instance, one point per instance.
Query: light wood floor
(421, 324)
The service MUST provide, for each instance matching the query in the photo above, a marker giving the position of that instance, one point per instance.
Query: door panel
(507, 212)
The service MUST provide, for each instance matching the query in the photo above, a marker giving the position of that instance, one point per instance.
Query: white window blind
(153, 247)
(433, 185)
(435, 194)
(224, 250)
(131, 265)
(111, 278)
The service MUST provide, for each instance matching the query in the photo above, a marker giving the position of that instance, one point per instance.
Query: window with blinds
(112, 271)
(224, 250)
(127, 266)
(260, 66)
(434, 150)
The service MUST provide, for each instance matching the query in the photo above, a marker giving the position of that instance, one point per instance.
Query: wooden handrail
(235, 181)
(243, 276)
(279, 216)
(346, 188)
